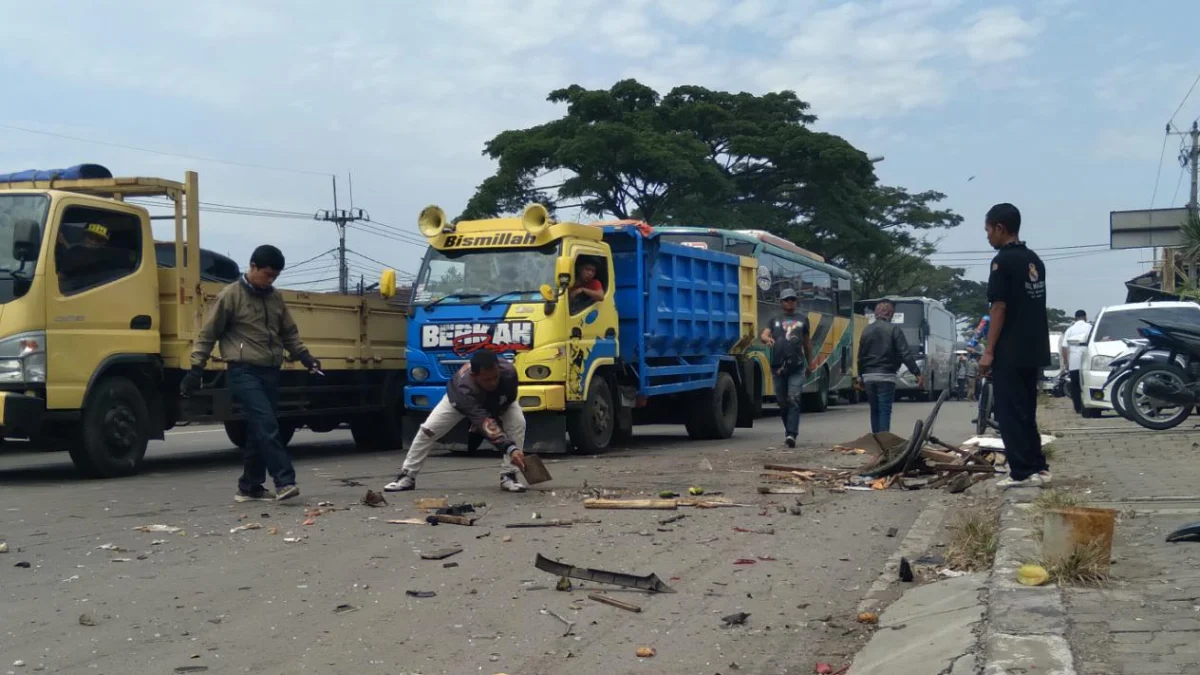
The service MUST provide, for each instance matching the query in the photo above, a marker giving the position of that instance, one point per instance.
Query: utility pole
(340, 218)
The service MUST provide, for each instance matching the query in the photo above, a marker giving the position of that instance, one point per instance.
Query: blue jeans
(257, 390)
(881, 395)
(788, 390)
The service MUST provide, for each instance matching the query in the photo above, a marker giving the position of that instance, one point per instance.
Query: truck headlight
(420, 374)
(23, 358)
(537, 372)
(1100, 362)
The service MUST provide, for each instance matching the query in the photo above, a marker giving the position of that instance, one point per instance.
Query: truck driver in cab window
(587, 288)
(91, 261)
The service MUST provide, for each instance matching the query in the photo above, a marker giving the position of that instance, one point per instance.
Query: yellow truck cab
(96, 328)
(661, 338)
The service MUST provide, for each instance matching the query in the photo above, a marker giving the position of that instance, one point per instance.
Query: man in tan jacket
(252, 326)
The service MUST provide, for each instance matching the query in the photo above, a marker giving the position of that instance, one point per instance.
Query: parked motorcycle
(1161, 391)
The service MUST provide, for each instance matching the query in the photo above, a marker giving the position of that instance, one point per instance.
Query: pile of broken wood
(910, 463)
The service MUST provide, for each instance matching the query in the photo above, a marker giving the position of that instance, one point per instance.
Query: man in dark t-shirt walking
(791, 353)
(1018, 347)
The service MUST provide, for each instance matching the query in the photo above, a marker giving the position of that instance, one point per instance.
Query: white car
(1105, 342)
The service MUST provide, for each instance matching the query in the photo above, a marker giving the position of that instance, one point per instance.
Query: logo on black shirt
(1033, 273)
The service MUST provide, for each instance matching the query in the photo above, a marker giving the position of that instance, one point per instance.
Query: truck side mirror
(564, 269)
(547, 292)
(27, 241)
(387, 284)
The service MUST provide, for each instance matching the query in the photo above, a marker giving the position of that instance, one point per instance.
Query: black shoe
(790, 441)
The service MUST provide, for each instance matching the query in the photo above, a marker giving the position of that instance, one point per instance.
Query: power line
(1049, 248)
(1185, 97)
(1161, 155)
(152, 151)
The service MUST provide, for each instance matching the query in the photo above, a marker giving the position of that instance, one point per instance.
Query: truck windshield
(462, 277)
(15, 277)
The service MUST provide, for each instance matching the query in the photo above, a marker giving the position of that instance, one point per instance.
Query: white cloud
(999, 34)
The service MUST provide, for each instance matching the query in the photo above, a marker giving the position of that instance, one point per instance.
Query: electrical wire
(163, 153)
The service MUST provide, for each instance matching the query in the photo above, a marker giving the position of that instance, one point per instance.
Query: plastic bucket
(1067, 529)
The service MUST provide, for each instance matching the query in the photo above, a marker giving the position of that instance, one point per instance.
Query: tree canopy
(725, 160)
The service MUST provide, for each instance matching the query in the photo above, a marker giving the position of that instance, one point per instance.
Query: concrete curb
(1026, 627)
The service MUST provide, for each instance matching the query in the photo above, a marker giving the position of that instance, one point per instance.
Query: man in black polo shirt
(1018, 347)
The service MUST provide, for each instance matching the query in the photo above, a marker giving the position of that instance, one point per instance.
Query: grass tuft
(973, 539)
(1087, 565)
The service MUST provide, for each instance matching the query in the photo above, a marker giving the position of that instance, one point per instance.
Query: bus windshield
(470, 276)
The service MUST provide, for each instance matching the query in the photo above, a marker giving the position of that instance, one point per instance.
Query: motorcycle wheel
(1143, 410)
(1119, 396)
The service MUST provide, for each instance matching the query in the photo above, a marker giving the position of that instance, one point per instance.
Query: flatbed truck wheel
(113, 431)
(591, 428)
(714, 415)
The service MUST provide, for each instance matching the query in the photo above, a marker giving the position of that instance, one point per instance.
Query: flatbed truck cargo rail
(665, 343)
(92, 347)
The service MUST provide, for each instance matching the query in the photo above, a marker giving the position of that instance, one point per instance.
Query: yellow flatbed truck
(93, 344)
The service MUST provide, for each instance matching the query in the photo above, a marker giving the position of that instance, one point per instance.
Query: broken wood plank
(620, 604)
(767, 490)
(803, 470)
(408, 521)
(941, 457)
(441, 553)
(453, 520)
(696, 501)
(955, 468)
(656, 504)
(431, 503)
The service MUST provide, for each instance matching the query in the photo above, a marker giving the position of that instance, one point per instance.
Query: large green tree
(718, 159)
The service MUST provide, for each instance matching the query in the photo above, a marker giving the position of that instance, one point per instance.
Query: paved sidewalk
(1147, 619)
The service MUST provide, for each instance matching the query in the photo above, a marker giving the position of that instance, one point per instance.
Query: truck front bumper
(20, 415)
(532, 398)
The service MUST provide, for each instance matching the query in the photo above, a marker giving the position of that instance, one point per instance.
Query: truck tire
(714, 415)
(113, 431)
(237, 432)
(819, 402)
(591, 429)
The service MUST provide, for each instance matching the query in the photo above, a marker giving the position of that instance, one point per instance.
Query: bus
(825, 294)
(931, 331)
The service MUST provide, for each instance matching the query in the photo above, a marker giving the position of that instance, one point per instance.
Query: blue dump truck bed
(681, 309)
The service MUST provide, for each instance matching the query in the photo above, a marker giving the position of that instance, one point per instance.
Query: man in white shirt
(1072, 355)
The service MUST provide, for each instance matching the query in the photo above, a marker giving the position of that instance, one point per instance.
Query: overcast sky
(1057, 106)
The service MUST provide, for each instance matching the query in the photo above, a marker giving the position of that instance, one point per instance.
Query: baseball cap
(787, 294)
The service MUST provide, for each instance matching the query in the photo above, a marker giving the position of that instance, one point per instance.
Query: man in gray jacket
(881, 350)
(251, 324)
(484, 392)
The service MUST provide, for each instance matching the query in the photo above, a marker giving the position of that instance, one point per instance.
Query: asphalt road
(331, 597)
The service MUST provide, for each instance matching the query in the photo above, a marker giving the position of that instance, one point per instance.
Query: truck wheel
(819, 402)
(591, 429)
(623, 429)
(714, 414)
(114, 430)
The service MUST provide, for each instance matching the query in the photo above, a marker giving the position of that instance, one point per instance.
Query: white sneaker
(403, 483)
(1045, 478)
(509, 483)
(1009, 482)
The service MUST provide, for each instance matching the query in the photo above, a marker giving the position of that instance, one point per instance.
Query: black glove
(191, 382)
(310, 363)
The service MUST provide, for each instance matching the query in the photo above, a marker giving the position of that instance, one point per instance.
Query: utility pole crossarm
(340, 218)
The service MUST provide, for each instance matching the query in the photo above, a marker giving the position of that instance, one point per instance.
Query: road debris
(88, 619)
(657, 504)
(791, 490)
(247, 526)
(695, 491)
(745, 561)
(23, 564)
(408, 521)
(645, 652)
(757, 530)
(569, 624)
(420, 594)
(738, 619)
(344, 609)
(650, 582)
(668, 494)
(1032, 575)
(374, 499)
(441, 553)
(110, 547)
(906, 571)
(1186, 533)
(613, 602)
(167, 529)
(870, 618)
(672, 519)
(191, 669)
(449, 565)
(436, 518)
(555, 523)
(892, 532)
(272, 530)
(431, 503)
(3, 547)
